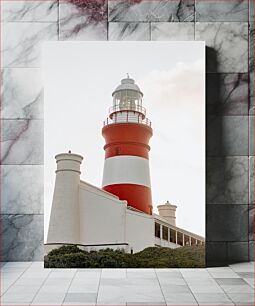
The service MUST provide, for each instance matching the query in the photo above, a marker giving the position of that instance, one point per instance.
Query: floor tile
(213, 299)
(230, 281)
(81, 297)
(44, 298)
(237, 288)
(147, 303)
(171, 281)
(206, 289)
(250, 281)
(114, 273)
(242, 299)
(175, 289)
(17, 297)
(17, 265)
(243, 267)
(224, 275)
(180, 299)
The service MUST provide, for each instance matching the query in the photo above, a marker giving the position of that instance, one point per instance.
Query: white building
(120, 214)
(88, 216)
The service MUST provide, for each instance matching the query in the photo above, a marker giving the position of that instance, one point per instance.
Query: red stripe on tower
(127, 132)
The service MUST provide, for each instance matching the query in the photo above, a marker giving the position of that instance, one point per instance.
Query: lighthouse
(127, 132)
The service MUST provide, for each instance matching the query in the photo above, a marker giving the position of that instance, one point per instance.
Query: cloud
(176, 97)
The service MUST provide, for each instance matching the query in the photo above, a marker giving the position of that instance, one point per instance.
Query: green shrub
(152, 257)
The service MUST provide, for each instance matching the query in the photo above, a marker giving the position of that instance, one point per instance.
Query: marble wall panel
(22, 189)
(251, 250)
(172, 31)
(251, 93)
(21, 142)
(251, 222)
(153, 10)
(215, 253)
(237, 251)
(227, 135)
(251, 135)
(22, 93)
(129, 31)
(22, 237)
(234, 10)
(251, 180)
(227, 93)
(227, 180)
(227, 44)
(251, 10)
(23, 10)
(83, 20)
(22, 41)
(227, 223)
(251, 68)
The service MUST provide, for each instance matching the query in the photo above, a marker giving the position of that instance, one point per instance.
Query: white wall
(105, 219)
(139, 230)
(102, 216)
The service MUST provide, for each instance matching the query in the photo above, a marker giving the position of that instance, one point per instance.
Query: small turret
(64, 224)
(167, 211)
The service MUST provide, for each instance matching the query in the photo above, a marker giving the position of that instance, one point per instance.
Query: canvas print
(124, 154)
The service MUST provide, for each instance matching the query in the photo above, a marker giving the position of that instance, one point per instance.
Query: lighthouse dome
(127, 84)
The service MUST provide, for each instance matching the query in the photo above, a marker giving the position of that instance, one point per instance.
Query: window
(179, 238)
(186, 240)
(165, 233)
(172, 235)
(157, 230)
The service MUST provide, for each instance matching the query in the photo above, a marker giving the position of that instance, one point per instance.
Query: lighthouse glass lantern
(127, 102)
(127, 132)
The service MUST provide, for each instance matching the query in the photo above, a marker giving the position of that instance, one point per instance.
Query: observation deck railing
(127, 119)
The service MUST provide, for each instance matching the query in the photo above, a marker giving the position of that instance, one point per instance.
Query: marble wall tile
(227, 223)
(22, 189)
(251, 47)
(22, 237)
(251, 68)
(215, 252)
(251, 10)
(22, 42)
(172, 31)
(227, 135)
(251, 180)
(21, 142)
(153, 10)
(251, 135)
(234, 10)
(129, 31)
(83, 20)
(251, 93)
(227, 180)
(237, 251)
(23, 10)
(251, 222)
(227, 45)
(22, 93)
(227, 93)
(251, 250)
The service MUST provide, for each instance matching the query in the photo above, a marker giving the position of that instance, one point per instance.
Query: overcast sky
(79, 78)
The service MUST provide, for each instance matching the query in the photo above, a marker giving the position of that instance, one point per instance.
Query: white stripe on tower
(124, 169)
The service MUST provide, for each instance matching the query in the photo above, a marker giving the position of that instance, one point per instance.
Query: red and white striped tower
(127, 132)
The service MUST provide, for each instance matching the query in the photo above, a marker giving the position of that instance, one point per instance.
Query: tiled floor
(27, 283)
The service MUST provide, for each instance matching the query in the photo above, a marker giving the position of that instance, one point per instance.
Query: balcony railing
(145, 121)
(136, 108)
